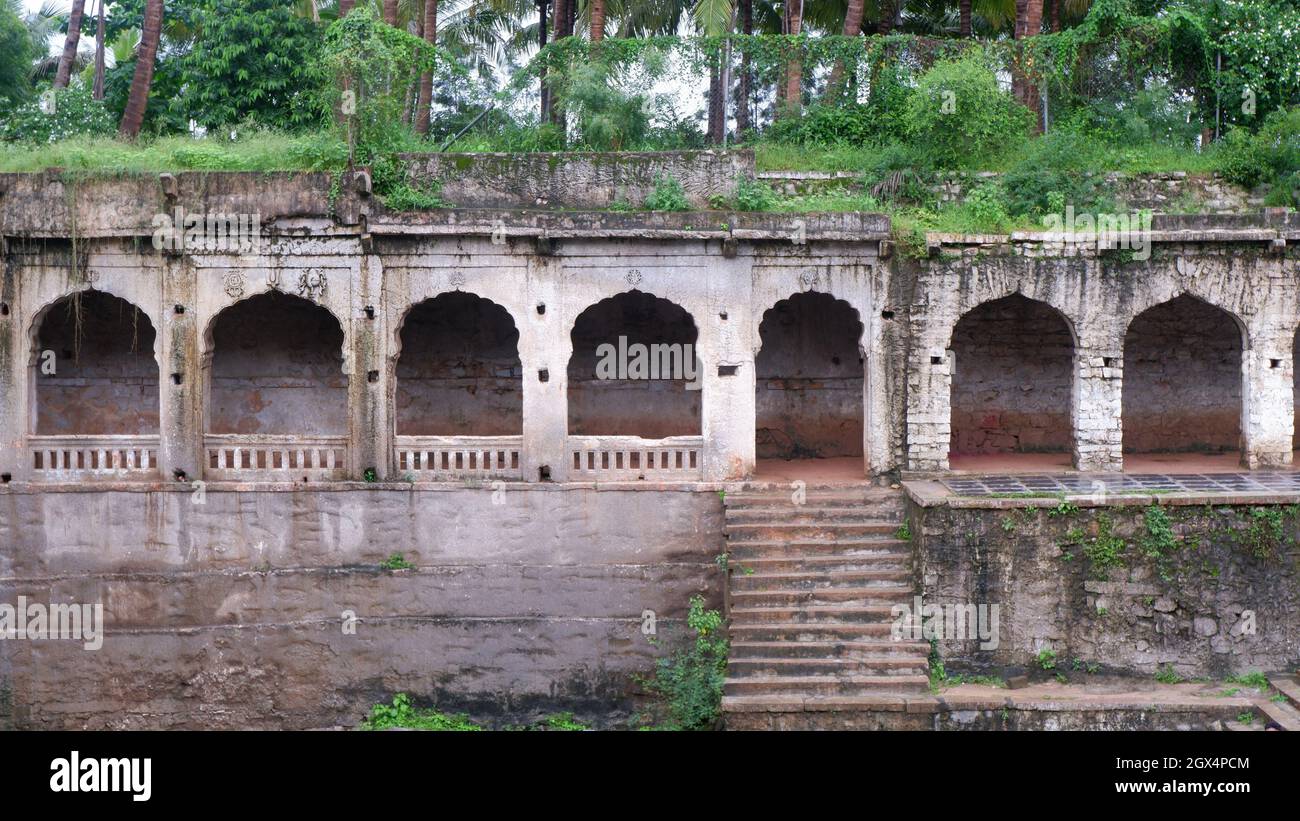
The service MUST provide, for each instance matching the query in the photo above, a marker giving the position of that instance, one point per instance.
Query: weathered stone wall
(578, 179)
(1182, 386)
(96, 372)
(809, 372)
(459, 371)
(231, 613)
(1134, 614)
(1011, 379)
(277, 368)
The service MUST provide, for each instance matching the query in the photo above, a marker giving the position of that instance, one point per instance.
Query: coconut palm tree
(429, 31)
(138, 99)
(70, 44)
(97, 90)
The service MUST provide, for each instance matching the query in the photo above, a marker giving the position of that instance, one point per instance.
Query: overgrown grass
(257, 151)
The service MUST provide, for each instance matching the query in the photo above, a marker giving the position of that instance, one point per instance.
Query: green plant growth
(689, 681)
(1166, 674)
(400, 714)
(1047, 658)
(667, 195)
(396, 562)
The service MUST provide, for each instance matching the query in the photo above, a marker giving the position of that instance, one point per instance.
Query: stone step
(880, 594)
(823, 685)
(857, 649)
(879, 615)
(819, 631)
(822, 497)
(1283, 713)
(1288, 687)
(862, 547)
(817, 564)
(875, 666)
(807, 514)
(816, 579)
(892, 702)
(788, 530)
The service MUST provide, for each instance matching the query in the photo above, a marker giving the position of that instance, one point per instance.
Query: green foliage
(689, 681)
(400, 714)
(608, 119)
(667, 195)
(1265, 533)
(396, 562)
(904, 532)
(254, 63)
(565, 722)
(1105, 550)
(1256, 680)
(754, 195)
(1055, 170)
(1159, 540)
(17, 52)
(1270, 156)
(1047, 658)
(1167, 675)
(58, 115)
(960, 115)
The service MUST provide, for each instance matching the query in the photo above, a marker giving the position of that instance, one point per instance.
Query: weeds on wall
(688, 683)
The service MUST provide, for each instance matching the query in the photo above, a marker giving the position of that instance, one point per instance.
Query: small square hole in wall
(4, 309)
(6, 478)
(728, 370)
(370, 312)
(722, 315)
(1275, 363)
(886, 314)
(936, 360)
(544, 473)
(1108, 361)
(178, 309)
(544, 375)
(541, 308)
(372, 376)
(177, 378)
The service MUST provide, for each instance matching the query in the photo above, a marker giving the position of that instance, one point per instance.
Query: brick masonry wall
(1134, 617)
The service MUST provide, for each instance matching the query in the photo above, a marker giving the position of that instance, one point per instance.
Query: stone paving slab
(1284, 482)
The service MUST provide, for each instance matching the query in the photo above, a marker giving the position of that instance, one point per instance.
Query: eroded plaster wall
(277, 369)
(459, 371)
(233, 613)
(809, 375)
(1013, 362)
(95, 371)
(1182, 379)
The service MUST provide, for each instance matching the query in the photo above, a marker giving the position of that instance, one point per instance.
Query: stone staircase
(811, 588)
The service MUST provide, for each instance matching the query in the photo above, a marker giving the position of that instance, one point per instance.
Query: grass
(257, 151)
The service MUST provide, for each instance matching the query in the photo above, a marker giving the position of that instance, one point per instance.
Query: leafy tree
(17, 51)
(254, 63)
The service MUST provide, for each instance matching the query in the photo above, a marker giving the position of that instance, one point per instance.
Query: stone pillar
(544, 350)
(180, 374)
(728, 403)
(370, 428)
(929, 407)
(13, 375)
(1096, 408)
(1268, 400)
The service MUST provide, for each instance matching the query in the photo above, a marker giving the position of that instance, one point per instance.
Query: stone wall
(1043, 566)
(231, 613)
(1011, 379)
(578, 179)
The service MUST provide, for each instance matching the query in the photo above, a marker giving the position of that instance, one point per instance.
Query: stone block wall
(1225, 600)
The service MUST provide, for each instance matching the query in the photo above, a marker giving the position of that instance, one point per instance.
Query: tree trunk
(138, 100)
(1029, 22)
(562, 27)
(852, 28)
(743, 91)
(543, 92)
(1056, 15)
(345, 7)
(964, 10)
(717, 109)
(597, 20)
(390, 12)
(430, 33)
(97, 92)
(888, 11)
(69, 56)
(793, 97)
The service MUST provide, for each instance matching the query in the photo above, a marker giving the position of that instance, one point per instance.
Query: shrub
(690, 680)
(68, 112)
(667, 195)
(1272, 155)
(754, 195)
(1056, 170)
(401, 714)
(1242, 159)
(960, 114)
